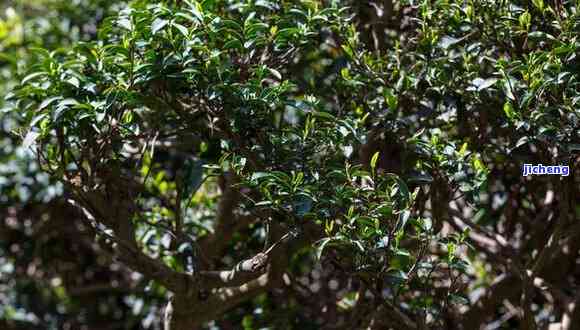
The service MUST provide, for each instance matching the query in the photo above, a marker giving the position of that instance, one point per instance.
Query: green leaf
(401, 190)
(324, 115)
(509, 111)
(158, 24)
(539, 4)
(125, 23)
(187, 17)
(48, 102)
(482, 84)
(508, 87)
(37, 119)
(448, 41)
(197, 10)
(275, 73)
(374, 160)
(385, 210)
(182, 29)
(539, 35)
(32, 77)
(391, 99)
(525, 20)
(233, 44)
(420, 178)
(348, 50)
(403, 219)
(321, 245)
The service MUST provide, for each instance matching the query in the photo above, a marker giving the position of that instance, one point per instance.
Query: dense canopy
(316, 164)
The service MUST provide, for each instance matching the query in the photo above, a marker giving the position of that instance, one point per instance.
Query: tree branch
(388, 316)
(138, 261)
(506, 287)
(241, 273)
(214, 244)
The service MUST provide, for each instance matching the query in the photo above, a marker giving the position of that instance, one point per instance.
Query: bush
(244, 156)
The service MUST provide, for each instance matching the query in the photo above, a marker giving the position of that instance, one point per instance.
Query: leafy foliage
(380, 144)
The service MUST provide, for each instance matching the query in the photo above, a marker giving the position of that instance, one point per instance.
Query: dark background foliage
(288, 164)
